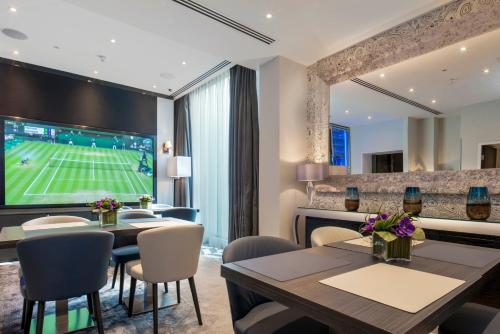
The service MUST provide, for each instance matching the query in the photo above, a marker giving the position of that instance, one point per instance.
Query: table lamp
(178, 167)
(311, 172)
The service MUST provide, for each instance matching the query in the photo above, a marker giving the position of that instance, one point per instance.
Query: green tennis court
(41, 172)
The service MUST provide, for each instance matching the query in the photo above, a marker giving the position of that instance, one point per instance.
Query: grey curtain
(182, 146)
(243, 154)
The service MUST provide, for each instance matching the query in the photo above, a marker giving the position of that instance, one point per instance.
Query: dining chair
(62, 266)
(168, 254)
(472, 318)
(125, 247)
(252, 313)
(188, 214)
(329, 234)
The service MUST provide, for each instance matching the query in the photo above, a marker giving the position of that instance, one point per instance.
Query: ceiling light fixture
(96, 72)
(12, 9)
(463, 49)
(369, 118)
(269, 16)
(411, 90)
(112, 40)
(347, 111)
(433, 101)
(382, 75)
(486, 71)
(15, 52)
(154, 86)
(184, 62)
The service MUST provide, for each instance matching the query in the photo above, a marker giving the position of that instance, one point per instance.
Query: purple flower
(371, 220)
(406, 228)
(384, 216)
(367, 228)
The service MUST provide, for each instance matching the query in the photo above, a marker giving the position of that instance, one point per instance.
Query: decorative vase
(352, 199)
(412, 201)
(145, 205)
(108, 218)
(397, 250)
(478, 203)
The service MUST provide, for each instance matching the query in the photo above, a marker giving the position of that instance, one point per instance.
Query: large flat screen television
(47, 164)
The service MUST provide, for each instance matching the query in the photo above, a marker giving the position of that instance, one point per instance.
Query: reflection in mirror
(439, 111)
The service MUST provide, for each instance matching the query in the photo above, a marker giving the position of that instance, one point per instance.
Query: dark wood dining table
(64, 320)
(344, 312)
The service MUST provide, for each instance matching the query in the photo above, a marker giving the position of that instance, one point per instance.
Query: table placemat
(367, 242)
(292, 265)
(457, 254)
(155, 224)
(405, 289)
(52, 226)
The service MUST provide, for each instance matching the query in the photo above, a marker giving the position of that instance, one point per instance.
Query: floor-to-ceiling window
(210, 157)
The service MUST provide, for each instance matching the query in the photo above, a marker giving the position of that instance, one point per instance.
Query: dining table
(64, 320)
(345, 287)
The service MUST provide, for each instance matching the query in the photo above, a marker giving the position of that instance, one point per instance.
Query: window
(340, 146)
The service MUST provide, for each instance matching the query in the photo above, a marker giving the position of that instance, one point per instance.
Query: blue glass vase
(352, 199)
(478, 203)
(412, 201)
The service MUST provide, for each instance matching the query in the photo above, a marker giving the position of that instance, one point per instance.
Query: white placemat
(367, 242)
(158, 224)
(406, 289)
(51, 226)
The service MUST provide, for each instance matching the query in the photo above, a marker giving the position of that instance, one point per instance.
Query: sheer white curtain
(209, 106)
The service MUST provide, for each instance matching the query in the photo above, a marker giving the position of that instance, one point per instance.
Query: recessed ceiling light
(112, 40)
(96, 72)
(382, 75)
(433, 101)
(12, 9)
(463, 49)
(486, 70)
(347, 111)
(369, 117)
(184, 62)
(411, 90)
(269, 16)
(15, 52)
(154, 86)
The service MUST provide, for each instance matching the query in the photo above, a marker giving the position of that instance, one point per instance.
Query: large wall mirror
(439, 111)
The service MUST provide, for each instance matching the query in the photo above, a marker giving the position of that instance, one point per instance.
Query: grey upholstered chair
(50, 272)
(168, 254)
(472, 319)
(125, 247)
(254, 314)
(329, 234)
(188, 214)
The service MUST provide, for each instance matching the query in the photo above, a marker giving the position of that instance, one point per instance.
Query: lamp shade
(312, 172)
(179, 166)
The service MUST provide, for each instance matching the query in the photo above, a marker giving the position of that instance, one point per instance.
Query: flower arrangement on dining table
(107, 208)
(392, 235)
(145, 200)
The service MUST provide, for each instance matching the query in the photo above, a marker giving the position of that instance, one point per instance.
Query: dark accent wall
(40, 95)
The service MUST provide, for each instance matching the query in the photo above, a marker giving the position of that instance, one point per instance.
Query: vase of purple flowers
(107, 208)
(392, 235)
(145, 201)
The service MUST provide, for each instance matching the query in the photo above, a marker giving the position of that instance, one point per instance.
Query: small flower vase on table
(145, 201)
(107, 208)
(393, 236)
(107, 218)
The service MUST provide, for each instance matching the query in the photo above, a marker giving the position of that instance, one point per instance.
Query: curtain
(210, 144)
(183, 195)
(243, 154)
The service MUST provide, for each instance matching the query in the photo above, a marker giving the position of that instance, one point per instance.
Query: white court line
(93, 170)
(36, 178)
(53, 175)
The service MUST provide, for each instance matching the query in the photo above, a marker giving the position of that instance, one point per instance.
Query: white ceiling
(470, 85)
(156, 36)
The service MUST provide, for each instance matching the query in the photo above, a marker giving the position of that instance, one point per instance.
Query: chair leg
(155, 308)
(166, 287)
(122, 282)
(97, 312)
(115, 273)
(89, 304)
(29, 314)
(39, 317)
(23, 316)
(133, 283)
(195, 299)
(178, 287)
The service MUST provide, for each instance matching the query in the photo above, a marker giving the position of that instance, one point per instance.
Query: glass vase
(412, 201)
(108, 218)
(145, 205)
(352, 199)
(478, 203)
(397, 250)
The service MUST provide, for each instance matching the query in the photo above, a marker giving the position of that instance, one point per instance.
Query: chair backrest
(133, 214)
(242, 300)
(170, 253)
(64, 265)
(328, 234)
(188, 214)
(54, 220)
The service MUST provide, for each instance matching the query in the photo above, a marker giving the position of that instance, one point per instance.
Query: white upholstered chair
(328, 234)
(167, 254)
(129, 211)
(54, 220)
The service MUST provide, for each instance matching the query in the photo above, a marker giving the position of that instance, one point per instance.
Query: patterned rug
(180, 318)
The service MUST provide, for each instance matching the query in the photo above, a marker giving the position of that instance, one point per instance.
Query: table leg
(64, 321)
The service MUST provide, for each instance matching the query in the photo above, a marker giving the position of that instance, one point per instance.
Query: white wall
(448, 143)
(375, 138)
(165, 126)
(282, 119)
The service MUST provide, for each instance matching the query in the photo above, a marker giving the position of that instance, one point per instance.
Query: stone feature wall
(443, 193)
